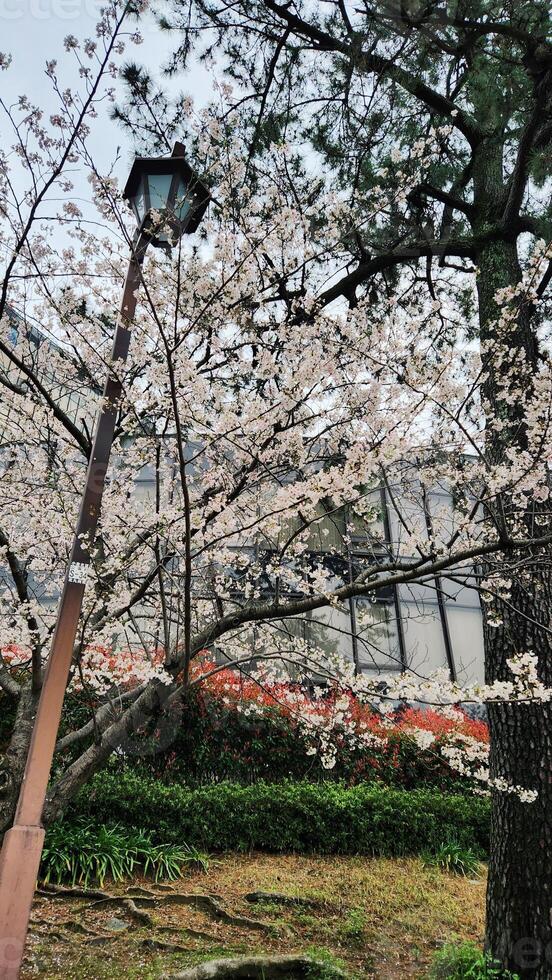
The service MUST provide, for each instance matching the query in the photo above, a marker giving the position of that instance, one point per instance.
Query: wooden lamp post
(169, 201)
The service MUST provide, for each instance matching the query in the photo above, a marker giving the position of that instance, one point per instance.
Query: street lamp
(167, 197)
(169, 200)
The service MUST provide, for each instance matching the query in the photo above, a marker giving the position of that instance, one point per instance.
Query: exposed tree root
(210, 906)
(101, 898)
(71, 925)
(204, 903)
(158, 944)
(187, 931)
(278, 899)
(61, 891)
(56, 937)
(135, 903)
(251, 968)
(138, 915)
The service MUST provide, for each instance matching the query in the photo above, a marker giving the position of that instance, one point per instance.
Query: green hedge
(323, 818)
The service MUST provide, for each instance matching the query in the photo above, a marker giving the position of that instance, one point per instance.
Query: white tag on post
(78, 573)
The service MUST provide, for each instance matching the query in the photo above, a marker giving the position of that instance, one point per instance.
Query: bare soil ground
(378, 918)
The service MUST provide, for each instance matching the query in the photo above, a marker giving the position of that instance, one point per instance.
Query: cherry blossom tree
(264, 407)
(357, 84)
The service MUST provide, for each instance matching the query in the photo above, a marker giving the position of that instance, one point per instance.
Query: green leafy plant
(85, 853)
(296, 817)
(454, 858)
(465, 961)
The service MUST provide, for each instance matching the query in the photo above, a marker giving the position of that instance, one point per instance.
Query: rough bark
(12, 765)
(519, 895)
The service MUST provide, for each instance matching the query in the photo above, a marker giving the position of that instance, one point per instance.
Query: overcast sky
(32, 31)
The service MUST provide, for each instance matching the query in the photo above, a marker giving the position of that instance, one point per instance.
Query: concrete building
(419, 627)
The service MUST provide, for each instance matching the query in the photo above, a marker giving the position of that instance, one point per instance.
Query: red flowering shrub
(233, 728)
(439, 725)
(293, 701)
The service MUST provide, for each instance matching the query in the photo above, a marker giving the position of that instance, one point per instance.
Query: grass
(354, 926)
(380, 918)
(326, 966)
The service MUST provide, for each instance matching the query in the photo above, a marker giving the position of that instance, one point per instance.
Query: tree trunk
(519, 893)
(13, 762)
(118, 727)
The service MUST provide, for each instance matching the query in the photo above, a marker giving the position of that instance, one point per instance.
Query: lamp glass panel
(138, 201)
(159, 188)
(184, 200)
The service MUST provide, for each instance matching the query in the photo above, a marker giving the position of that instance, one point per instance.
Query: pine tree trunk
(519, 893)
